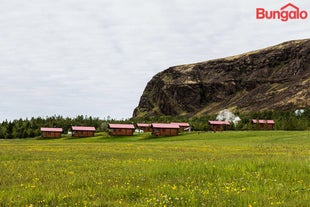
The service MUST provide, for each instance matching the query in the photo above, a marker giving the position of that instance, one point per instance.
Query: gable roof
(181, 124)
(83, 128)
(47, 129)
(165, 126)
(143, 125)
(219, 122)
(261, 121)
(121, 126)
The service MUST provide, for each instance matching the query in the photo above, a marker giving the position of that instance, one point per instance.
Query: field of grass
(249, 168)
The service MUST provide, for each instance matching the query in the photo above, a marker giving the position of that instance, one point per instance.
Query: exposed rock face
(277, 77)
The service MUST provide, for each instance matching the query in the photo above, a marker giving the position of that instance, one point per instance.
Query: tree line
(28, 128)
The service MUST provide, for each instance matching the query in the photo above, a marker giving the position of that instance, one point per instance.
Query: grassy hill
(248, 168)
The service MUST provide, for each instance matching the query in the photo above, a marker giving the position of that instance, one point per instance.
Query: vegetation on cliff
(274, 78)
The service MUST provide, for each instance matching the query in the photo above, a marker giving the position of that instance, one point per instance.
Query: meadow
(233, 168)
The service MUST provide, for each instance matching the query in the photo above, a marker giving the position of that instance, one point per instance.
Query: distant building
(83, 131)
(144, 127)
(121, 129)
(160, 129)
(183, 126)
(50, 132)
(219, 125)
(263, 124)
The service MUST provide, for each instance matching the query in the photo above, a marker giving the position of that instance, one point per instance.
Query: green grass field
(249, 168)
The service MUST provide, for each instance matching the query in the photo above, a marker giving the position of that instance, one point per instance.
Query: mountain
(276, 77)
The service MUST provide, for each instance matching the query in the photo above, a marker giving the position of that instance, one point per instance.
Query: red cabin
(121, 129)
(219, 125)
(144, 127)
(51, 132)
(160, 129)
(83, 131)
(263, 124)
(183, 126)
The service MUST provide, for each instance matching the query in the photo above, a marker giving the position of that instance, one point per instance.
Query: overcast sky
(95, 57)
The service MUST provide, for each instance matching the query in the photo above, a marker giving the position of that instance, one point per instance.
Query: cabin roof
(219, 122)
(83, 128)
(261, 121)
(181, 124)
(121, 126)
(143, 125)
(165, 126)
(47, 129)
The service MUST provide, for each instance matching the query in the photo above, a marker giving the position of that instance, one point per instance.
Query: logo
(287, 12)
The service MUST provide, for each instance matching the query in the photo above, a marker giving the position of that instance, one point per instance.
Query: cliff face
(276, 77)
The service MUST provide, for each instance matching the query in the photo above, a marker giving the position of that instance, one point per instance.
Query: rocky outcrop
(277, 77)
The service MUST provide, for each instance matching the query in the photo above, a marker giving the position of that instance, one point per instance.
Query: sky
(95, 57)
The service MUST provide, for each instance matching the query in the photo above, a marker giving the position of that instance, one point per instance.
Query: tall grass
(197, 169)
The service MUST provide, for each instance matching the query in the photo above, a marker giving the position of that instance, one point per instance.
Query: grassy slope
(255, 168)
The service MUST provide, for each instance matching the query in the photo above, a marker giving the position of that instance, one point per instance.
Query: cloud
(95, 57)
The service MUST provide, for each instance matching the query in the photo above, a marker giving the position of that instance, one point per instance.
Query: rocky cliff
(276, 77)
